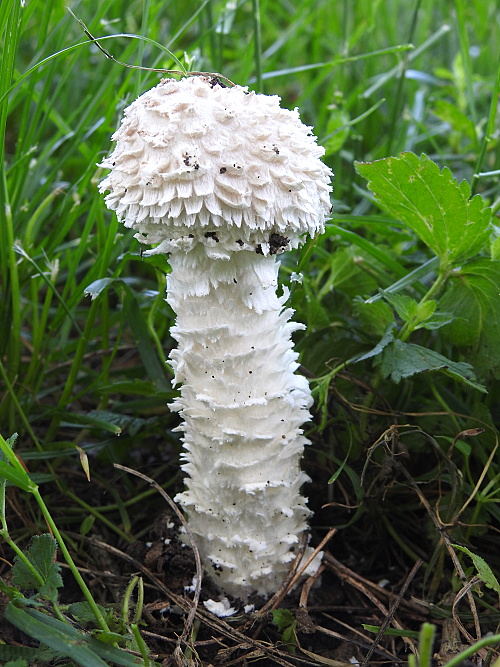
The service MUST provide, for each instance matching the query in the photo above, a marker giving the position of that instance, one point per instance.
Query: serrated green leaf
(41, 554)
(483, 569)
(283, 618)
(431, 203)
(405, 306)
(401, 360)
(19, 662)
(473, 298)
(83, 613)
(22, 653)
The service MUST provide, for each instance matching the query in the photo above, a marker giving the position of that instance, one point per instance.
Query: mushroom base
(243, 407)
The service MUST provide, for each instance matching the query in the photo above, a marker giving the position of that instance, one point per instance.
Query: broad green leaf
(483, 569)
(41, 554)
(473, 298)
(374, 316)
(431, 203)
(401, 360)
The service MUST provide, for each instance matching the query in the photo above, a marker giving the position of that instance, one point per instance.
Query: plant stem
(408, 327)
(69, 560)
(4, 534)
(426, 640)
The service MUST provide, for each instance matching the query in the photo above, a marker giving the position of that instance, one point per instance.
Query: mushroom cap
(196, 161)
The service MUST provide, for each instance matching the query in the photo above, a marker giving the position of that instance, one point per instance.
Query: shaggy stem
(243, 408)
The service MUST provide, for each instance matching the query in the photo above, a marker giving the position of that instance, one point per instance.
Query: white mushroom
(224, 180)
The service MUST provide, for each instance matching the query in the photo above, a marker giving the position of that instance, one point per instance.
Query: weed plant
(401, 298)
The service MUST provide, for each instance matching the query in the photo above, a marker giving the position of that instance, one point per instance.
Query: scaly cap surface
(199, 162)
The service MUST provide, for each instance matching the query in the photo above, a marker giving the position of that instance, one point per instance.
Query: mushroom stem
(243, 408)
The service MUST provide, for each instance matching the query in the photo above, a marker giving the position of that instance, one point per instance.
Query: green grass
(81, 367)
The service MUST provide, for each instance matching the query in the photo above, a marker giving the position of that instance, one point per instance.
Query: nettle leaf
(405, 306)
(420, 315)
(84, 614)
(401, 360)
(283, 618)
(473, 298)
(41, 554)
(431, 203)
